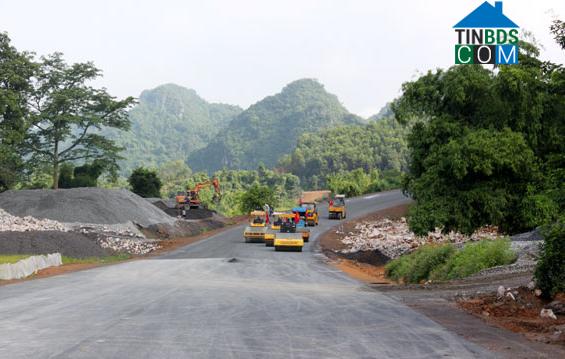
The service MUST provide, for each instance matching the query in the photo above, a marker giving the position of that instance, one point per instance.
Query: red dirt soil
(315, 196)
(521, 315)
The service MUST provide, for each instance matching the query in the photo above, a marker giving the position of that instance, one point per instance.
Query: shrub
(82, 176)
(416, 266)
(444, 262)
(145, 182)
(475, 257)
(550, 270)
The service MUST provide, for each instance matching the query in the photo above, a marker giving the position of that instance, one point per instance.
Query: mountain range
(171, 122)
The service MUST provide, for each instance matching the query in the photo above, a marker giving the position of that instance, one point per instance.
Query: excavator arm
(199, 186)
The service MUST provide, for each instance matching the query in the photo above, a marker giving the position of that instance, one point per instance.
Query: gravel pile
(12, 223)
(84, 205)
(393, 238)
(122, 241)
(70, 244)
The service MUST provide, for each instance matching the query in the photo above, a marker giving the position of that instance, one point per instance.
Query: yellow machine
(337, 208)
(311, 215)
(276, 221)
(257, 228)
(288, 241)
(289, 237)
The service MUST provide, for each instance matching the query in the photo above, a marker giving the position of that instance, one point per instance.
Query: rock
(531, 285)
(10, 223)
(500, 292)
(547, 313)
(537, 292)
(393, 238)
(557, 306)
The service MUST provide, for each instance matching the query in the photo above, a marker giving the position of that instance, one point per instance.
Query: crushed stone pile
(393, 238)
(123, 241)
(84, 205)
(44, 235)
(12, 223)
(70, 244)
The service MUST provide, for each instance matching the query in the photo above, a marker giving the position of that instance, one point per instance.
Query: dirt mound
(84, 205)
(315, 196)
(69, 244)
(169, 207)
(199, 213)
(519, 313)
(182, 228)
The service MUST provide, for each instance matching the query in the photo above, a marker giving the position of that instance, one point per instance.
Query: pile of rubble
(116, 239)
(123, 241)
(28, 223)
(393, 238)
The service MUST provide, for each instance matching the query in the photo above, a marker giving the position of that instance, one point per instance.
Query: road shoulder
(437, 302)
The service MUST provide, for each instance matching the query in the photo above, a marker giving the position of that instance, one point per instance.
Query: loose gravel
(122, 241)
(69, 244)
(9, 222)
(84, 205)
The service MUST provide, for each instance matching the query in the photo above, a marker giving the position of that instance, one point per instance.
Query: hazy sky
(240, 51)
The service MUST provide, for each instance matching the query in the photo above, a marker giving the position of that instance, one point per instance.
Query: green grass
(475, 257)
(96, 260)
(12, 258)
(417, 266)
(445, 262)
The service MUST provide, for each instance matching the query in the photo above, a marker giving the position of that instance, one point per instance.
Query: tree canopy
(380, 145)
(145, 182)
(16, 71)
(487, 146)
(66, 113)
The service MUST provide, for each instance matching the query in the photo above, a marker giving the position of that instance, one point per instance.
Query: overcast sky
(239, 51)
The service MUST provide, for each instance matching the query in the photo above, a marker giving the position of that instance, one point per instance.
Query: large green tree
(488, 146)
(67, 113)
(16, 70)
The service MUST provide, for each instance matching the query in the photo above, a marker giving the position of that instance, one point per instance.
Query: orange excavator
(191, 197)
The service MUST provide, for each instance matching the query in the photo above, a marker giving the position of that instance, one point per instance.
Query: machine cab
(258, 219)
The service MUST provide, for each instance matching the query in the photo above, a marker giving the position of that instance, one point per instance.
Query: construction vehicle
(288, 241)
(336, 209)
(311, 215)
(276, 221)
(288, 238)
(191, 199)
(301, 225)
(257, 228)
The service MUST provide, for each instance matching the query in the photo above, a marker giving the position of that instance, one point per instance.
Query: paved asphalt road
(195, 303)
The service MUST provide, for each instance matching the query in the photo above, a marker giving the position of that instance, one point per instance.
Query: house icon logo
(487, 36)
